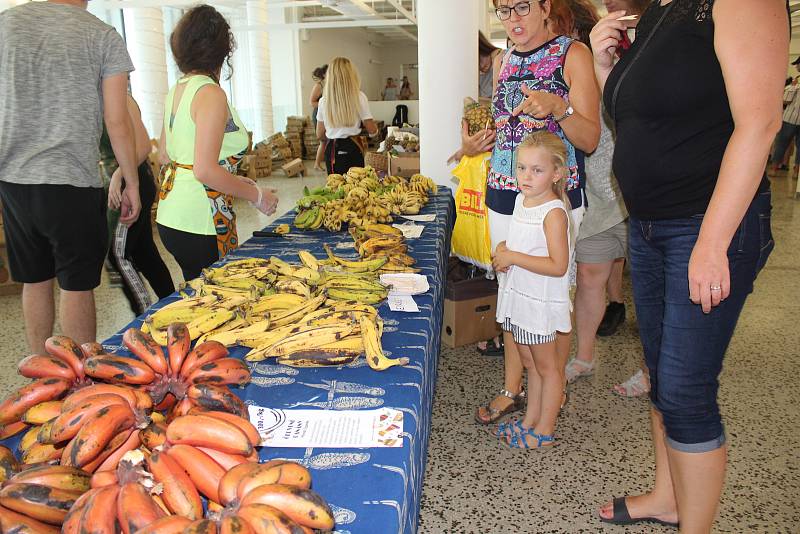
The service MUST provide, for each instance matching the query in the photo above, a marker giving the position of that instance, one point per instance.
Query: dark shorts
(55, 231)
(683, 347)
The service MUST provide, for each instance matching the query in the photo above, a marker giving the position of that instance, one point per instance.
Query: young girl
(533, 300)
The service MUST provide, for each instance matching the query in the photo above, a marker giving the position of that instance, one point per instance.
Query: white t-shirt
(342, 133)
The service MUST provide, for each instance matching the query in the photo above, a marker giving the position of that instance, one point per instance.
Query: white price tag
(410, 230)
(402, 303)
(429, 217)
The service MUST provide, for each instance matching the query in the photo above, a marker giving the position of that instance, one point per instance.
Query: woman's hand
(267, 201)
(115, 190)
(502, 258)
(709, 276)
(605, 38)
(482, 141)
(540, 104)
(247, 180)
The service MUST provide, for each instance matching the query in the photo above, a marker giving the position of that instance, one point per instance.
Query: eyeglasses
(521, 8)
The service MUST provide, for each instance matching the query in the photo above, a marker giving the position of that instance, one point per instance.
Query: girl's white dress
(535, 303)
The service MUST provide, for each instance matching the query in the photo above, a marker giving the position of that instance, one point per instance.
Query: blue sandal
(503, 429)
(519, 438)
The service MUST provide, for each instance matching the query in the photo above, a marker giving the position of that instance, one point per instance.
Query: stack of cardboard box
(294, 134)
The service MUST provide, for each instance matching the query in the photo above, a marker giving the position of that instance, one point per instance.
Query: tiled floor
(473, 486)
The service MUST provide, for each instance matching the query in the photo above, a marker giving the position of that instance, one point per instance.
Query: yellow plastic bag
(471, 242)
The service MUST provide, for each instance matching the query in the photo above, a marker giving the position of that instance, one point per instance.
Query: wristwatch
(567, 113)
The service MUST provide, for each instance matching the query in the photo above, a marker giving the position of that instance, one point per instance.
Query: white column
(448, 72)
(285, 67)
(260, 75)
(144, 31)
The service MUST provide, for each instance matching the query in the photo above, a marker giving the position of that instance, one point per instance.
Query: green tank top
(188, 207)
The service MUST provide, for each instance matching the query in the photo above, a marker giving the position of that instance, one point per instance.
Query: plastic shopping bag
(471, 241)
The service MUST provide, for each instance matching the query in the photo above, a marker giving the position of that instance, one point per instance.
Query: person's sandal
(621, 516)
(519, 439)
(576, 369)
(636, 386)
(493, 348)
(518, 402)
(514, 425)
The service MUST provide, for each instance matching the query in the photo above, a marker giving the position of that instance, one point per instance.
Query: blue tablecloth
(372, 491)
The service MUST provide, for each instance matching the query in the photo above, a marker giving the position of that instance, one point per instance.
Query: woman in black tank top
(696, 103)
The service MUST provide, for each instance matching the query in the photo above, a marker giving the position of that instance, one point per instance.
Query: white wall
(375, 62)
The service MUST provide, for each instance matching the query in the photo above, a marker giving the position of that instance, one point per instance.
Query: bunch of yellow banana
(379, 240)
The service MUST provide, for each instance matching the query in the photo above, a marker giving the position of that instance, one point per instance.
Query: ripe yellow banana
(309, 260)
(293, 286)
(209, 322)
(307, 275)
(162, 318)
(376, 359)
(293, 315)
(278, 301)
(356, 266)
(310, 339)
(237, 323)
(281, 266)
(364, 297)
(229, 338)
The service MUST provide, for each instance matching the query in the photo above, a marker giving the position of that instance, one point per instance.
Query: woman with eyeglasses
(544, 81)
(696, 103)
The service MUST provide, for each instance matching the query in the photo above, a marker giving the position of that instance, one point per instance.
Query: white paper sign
(406, 283)
(334, 429)
(430, 217)
(410, 231)
(402, 303)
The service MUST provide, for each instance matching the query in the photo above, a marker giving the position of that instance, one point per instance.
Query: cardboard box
(470, 308)
(294, 168)
(404, 164)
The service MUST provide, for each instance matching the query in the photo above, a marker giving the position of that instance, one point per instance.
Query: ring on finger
(716, 288)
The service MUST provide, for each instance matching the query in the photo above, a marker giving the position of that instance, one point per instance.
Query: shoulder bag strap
(637, 53)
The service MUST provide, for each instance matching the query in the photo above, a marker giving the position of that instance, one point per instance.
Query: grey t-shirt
(53, 58)
(606, 208)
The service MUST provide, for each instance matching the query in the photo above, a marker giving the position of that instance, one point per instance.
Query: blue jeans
(684, 347)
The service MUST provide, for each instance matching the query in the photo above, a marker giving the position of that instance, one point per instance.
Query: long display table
(376, 490)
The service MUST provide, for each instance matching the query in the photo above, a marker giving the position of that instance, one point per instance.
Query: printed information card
(333, 429)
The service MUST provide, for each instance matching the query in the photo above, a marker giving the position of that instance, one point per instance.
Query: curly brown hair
(202, 41)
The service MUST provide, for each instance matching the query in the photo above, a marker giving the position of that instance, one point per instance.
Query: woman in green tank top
(204, 140)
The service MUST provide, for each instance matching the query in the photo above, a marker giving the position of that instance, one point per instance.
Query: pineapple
(478, 116)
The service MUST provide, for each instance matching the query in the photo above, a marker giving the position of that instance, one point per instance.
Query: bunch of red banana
(36, 500)
(181, 378)
(55, 374)
(94, 427)
(126, 502)
(196, 452)
(272, 497)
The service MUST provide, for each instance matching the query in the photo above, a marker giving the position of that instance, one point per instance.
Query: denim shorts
(684, 347)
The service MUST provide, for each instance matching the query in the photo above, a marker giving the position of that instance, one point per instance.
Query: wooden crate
(294, 168)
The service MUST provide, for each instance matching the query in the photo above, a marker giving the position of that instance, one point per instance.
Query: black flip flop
(492, 349)
(623, 517)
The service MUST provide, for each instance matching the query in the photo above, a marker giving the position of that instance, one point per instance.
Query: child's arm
(557, 259)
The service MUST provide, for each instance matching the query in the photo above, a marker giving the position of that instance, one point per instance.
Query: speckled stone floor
(474, 486)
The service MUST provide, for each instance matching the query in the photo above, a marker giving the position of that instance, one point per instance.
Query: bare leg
(563, 343)
(552, 380)
(319, 157)
(534, 409)
(660, 502)
(698, 479)
(590, 305)
(614, 286)
(513, 377)
(39, 310)
(77, 314)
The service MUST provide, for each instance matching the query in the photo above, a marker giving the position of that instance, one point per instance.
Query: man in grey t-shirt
(64, 71)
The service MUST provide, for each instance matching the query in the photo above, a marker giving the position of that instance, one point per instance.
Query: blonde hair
(342, 94)
(553, 144)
